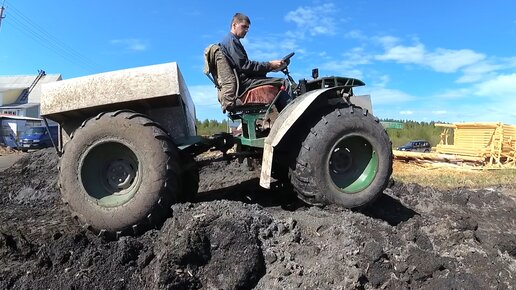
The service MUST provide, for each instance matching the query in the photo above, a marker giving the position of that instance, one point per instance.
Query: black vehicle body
(416, 146)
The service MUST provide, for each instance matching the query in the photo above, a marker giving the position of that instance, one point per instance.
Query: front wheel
(345, 158)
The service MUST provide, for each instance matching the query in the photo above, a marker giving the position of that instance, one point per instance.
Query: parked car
(416, 146)
(38, 137)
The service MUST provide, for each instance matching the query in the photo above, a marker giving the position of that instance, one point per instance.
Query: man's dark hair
(240, 17)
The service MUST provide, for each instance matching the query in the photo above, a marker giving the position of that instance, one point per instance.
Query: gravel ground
(236, 235)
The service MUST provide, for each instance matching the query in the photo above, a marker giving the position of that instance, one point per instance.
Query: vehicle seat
(225, 79)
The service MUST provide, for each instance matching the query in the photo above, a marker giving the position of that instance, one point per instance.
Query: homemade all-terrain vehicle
(128, 142)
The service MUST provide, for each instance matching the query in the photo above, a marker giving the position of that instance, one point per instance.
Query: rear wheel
(120, 173)
(345, 159)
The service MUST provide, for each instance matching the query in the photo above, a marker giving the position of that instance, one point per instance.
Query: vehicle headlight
(36, 141)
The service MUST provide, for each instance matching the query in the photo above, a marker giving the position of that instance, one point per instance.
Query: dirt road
(239, 236)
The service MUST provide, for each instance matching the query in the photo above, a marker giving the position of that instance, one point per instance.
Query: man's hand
(276, 65)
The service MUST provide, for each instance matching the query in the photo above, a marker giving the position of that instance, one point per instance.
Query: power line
(51, 38)
(40, 35)
(2, 13)
(20, 26)
(52, 46)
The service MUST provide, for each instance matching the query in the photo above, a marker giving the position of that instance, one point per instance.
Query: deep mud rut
(239, 236)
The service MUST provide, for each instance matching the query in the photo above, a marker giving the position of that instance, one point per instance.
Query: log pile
(490, 145)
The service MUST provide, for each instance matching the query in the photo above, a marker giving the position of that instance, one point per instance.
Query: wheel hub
(110, 173)
(119, 175)
(341, 160)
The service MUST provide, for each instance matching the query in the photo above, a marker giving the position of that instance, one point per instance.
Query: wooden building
(489, 144)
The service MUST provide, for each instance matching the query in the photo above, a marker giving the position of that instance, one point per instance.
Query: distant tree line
(210, 127)
(412, 130)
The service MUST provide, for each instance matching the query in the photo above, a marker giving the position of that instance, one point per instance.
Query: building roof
(12, 117)
(25, 81)
(19, 106)
(7, 87)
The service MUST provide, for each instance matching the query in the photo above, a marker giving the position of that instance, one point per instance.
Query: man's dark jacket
(237, 56)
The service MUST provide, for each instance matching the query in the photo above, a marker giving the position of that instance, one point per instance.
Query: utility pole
(2, 13)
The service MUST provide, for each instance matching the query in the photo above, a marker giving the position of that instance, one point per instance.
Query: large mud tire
(345, 158)
(120, 174)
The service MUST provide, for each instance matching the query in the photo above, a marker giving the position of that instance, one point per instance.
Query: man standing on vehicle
(251, 73)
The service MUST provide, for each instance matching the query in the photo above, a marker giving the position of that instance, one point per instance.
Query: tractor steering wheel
(286, 60)
(287, 57)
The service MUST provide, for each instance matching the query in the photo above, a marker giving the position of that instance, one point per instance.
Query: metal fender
(283, 123)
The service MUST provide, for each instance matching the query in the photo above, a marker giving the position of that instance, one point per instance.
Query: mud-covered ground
(239, 236)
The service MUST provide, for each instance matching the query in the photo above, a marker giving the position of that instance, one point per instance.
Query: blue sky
(450, 61)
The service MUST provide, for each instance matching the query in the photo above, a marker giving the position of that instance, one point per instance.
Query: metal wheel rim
(352, 164)
(110, 173)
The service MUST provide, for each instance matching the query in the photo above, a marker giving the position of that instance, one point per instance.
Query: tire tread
(161, 209)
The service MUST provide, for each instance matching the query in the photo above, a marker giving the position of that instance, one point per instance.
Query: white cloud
(204, 95)
(337, 66)
(454, 93)
(404, 54)
(261, 49)
(448, 61)
(386, 41)
(488, 101)
(356, 34)
(346, 65)
(440, 60)
(512, 62)
(383, 80)
(383, 96)
(206, 103)
(316, 20)
(487, 69)
(271, 47)
(474, 66)
(503, 86)
(484, 91)
(492, 111)
(462, 112)
(477, 72)
(133, 44)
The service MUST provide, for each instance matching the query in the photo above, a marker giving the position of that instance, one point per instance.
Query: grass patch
(452, 177)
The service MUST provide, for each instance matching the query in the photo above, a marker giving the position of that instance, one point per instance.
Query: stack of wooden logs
(491, 145)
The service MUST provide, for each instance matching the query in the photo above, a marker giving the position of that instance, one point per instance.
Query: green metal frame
(248, 120)
(187, 141)
(249, 137)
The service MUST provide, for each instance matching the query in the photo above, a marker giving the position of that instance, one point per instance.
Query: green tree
(210, 127)
(413, 130)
